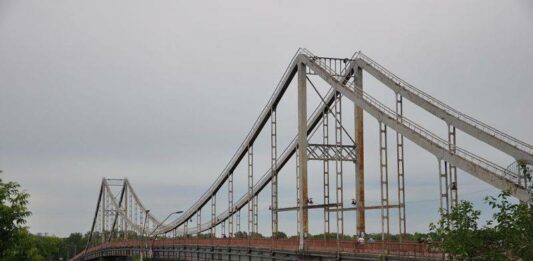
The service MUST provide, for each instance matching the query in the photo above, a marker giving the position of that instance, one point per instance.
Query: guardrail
(390, 248)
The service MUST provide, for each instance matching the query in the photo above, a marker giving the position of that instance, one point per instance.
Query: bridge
(123, 227)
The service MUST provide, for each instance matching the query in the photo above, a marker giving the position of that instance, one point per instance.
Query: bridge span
(323, 136)
(257, 249)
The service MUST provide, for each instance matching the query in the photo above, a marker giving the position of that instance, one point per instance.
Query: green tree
(13, 214)
(513, 226)
(23, 248)
(457, 233)
(241, 234)
(508, 236)
(74, 243)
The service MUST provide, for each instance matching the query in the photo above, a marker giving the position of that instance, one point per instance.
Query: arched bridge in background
(123, 227)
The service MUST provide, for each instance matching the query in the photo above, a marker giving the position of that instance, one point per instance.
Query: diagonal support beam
(479, 130)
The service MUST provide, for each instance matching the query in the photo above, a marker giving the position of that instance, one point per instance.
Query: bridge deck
(192, 247)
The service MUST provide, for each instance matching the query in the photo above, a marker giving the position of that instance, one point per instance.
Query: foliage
(241, 234)
(514, 227)
(256, 235)
(509, 236)
(526, 171)
(279, 235)
(16, 243)
(13, 214)
(457, 232)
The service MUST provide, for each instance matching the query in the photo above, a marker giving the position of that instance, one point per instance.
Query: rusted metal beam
(360, 161)
(302, 147)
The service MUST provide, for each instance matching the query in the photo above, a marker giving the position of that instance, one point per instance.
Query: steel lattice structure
(121, 213)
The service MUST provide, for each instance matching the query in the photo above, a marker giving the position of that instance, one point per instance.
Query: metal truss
(118, 214)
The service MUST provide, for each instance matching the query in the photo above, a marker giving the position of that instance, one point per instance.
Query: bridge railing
(405, 249)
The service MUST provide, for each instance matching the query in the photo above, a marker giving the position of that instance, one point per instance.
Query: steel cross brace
(331, 152)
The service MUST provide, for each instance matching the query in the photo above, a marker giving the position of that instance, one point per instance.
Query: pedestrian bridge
(324, 135)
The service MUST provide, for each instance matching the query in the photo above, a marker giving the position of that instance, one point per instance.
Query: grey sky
(164, 92)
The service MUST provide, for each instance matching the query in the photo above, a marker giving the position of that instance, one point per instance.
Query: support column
(400, 169)
(384, 176)
(298, 217)
(213, 215)
(339, 191)
(135, 212)
(238, 221)
(230, 204)
(125, 224)
(452, 169)
(250, 190)
(325, 165)
(223, 229)
(104, 211)
(360, 162)
(198, 222)
(443, 186)
(274, 171)
(302, 147)
(255, 227)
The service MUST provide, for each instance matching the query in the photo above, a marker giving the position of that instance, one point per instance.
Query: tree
(241, 234)
(279, 235)
(508, 236)
(457, 234)
(13, 214)
(513, 227)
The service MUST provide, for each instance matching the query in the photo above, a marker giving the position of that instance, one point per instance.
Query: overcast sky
(163, 92)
